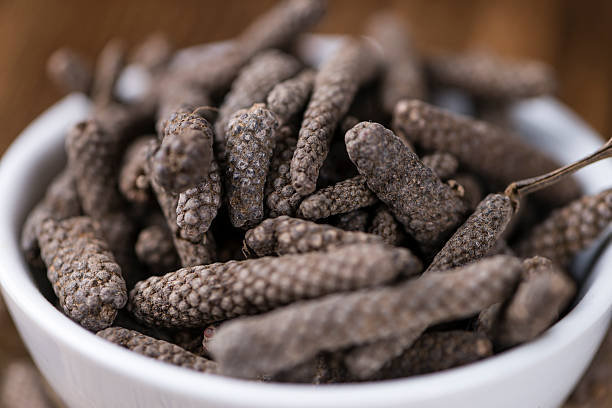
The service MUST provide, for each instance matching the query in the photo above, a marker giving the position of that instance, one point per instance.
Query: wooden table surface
(574, 37)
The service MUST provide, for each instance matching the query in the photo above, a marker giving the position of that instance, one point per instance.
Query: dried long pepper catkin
(403, 75)
(492, 153)
(356, 220)
(61, 201)
(342, 197)
(155, 249)
(192, 253)
(492, 77)
(157, 349)
(250, 144)
(286, 235)
(281, 24)
(252, 85)
(335, 86)
(108, 67)
(200, 295)
(197, 207)
(274, 29)
(69, 71)
(286, 337)
(325, 368)
(477, 236)
(175, 94)
(200, 252)
(569, 230)
(289, 97)
(83, 272)
(365, 361)
(133, 177)
(92, 154)
(184, 157)
(281, 197)
(445, 165)
(385, 226)
(428, 208)
(438, 351)
(153, 53)
(542, 295)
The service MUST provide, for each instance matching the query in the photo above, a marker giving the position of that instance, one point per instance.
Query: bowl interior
(37, 156)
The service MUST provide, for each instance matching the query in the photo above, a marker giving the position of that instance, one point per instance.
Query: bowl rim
(18, 286)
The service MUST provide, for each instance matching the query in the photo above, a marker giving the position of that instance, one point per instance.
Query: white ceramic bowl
(90, 372)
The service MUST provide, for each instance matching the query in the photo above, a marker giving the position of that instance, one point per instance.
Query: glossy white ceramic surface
(89, 372)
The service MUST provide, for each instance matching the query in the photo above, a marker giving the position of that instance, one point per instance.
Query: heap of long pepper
(253, 222)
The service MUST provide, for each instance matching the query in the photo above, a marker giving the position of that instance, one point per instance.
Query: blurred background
(575, 37)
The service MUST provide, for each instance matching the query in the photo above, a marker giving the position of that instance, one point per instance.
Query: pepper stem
(519, 189)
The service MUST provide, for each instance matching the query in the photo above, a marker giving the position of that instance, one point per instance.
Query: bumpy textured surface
(568, 230)
(492, 153)
(84, 274)
(197, 207)
(185, 154)
(287, 98)
(200, 295)
(155, 249)
(285, 235)
(438, 351)
(61, 201)
(445, 165)
(109, 65)
(403, 74)
(22, 386)
(191, 253)
(542, 295)
(356, 220)
(385, 226)
(492, 77)
(335, 86)
(157, 349)
(252, 85)
(428, 208)
(133, 177)
(281, 197)
(477, 236)
(342, 197)
(92, 157)
(365, 361)
(250, 145)
(69, 71)
(288, 336)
